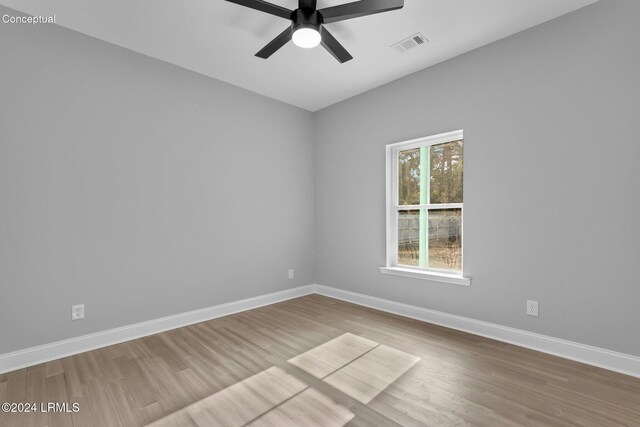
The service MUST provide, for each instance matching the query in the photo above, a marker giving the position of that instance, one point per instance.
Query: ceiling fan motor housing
(306, 18)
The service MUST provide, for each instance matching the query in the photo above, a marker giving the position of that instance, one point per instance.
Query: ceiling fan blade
(308, 4)
(275, 44)
(334, 47)
(357, 9)
(264, 6)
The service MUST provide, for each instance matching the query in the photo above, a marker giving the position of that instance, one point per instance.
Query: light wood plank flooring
(194, 375)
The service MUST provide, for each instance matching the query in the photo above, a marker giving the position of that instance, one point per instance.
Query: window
(424, 208)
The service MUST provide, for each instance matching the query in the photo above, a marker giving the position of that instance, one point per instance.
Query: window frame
(393, 208)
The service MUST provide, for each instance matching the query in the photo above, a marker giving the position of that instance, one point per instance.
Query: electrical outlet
(291, 274)
(532, 308)
(77, 312)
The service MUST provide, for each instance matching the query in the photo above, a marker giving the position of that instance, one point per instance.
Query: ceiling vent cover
(409, 43)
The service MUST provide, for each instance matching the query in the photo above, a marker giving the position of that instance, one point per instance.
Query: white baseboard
(47, 352)
(602, 358)
(607, 359)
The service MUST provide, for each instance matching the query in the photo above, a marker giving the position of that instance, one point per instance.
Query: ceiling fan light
(306, 37)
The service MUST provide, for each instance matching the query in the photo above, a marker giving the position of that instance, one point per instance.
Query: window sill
(427, 275)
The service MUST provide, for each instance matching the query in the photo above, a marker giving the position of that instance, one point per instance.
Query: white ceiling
(219, 39)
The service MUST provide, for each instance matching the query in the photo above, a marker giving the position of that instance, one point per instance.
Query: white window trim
(392, 267)
(416, 273)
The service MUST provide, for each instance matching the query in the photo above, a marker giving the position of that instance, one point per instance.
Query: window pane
(409, 177)
(445, 239)
(446, 172)
(408, 237)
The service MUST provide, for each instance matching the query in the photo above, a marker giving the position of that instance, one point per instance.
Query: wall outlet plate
(77, 312)
(532, 308)
(291, 274)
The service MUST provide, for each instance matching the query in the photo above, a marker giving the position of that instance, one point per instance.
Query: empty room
(319, 213)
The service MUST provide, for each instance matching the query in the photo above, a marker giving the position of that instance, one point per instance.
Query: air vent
(409, 43)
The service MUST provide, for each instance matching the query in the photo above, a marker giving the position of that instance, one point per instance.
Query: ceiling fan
(307, 28)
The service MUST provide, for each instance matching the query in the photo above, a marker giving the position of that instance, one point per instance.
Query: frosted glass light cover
(306, 38)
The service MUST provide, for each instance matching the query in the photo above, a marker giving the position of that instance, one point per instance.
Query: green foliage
(446, 172)
(409, 177)
(446, 167)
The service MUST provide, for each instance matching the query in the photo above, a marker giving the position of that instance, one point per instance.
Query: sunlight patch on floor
(332, 355)
(271, 396)
(369, 375)
(358, 367)
(309, 408)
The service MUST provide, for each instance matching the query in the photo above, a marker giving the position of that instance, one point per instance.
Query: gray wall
(138, 188)
(552, 189)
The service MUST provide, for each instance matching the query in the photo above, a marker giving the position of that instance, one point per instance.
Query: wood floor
(257, 367)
